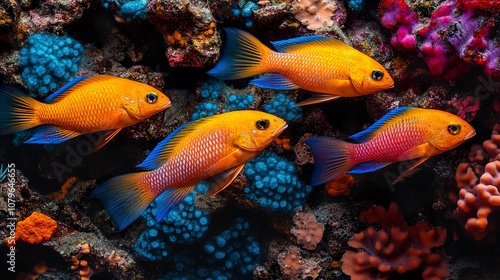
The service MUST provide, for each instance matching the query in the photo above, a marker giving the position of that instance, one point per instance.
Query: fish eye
(151, 97)
(377, 75)
(262, 124)
(454, 128)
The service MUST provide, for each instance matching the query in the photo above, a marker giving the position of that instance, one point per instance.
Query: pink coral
(307, 230)
(294, 267)
(314, 14)
(479, 199)
(452, 40)
(396, 247)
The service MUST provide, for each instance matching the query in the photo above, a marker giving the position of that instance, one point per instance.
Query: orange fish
(402, 134)
(85, 105)
(214, 148)
(327, 67)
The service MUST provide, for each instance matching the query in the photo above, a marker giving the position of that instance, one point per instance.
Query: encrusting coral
(396, 247)
(307, 230)
(36, 228)
(294, 267)
(314, 14)
(479, 197)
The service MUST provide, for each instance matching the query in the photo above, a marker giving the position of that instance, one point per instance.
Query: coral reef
(48, 61)
(284, 108)
(273, 184)
(315, 14)
(396, 247)
(479, 198)
(451, 41)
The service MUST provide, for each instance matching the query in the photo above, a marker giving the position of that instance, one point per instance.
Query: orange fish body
(403, 134)
(323, 65)
(216, 148)
(85, 105)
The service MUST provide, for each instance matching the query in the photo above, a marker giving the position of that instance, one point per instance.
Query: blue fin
(241, 56)
(368, 133)
(331, 158)
(274, 81)
(61, 92)
(293, 44)
(17, 110)
(169, 199)
(51, 134)
(124, 197)
(368, 166)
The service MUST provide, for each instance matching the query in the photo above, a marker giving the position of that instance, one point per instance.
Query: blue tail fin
(17, 110)
(331, 158)
(242, 56)
(125, 198)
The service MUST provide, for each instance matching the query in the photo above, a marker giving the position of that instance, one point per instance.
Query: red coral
(295, 267)
(479, 5)
(397, 247)
(479, 200)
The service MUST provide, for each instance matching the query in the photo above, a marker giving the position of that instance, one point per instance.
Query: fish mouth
(166, 105)
(279, 130)
(469, 135)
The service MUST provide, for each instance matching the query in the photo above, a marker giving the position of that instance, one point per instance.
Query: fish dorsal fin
(293, 44)
(163, 150)
(65, 90)
(370, 132)
(220, 181)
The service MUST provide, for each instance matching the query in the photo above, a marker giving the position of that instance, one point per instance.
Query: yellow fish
(85, 105)
(214, 148)
(402, 134)
(327, 67)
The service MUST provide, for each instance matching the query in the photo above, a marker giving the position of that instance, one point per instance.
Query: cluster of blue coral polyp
(184, 224)
(232, 254)
(49, 61)
(273, 184)
(284, 108)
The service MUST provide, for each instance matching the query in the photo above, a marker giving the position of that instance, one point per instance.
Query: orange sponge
(36, 228)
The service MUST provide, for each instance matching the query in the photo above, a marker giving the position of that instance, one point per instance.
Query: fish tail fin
(331, 158)
(17, 110)
(243, 56)
(125, 198)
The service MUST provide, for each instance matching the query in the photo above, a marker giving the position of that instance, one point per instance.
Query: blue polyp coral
(237, 102)
(232, 254)
(214, 92)
(284, 108)
(48, 61)
(129, 9)
(356, 5)
(183, 224)
(245, 8)
(273, 183)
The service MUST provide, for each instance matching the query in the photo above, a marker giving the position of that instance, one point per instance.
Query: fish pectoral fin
(108, 135)
(168, 199)
(422, 150)
(51, 134)
(318, 98)
(220, 181)
(274, 81)
(225, 162)
(409, 170)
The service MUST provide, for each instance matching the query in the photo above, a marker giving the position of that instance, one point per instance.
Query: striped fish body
(214, 148)
(403, 134)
